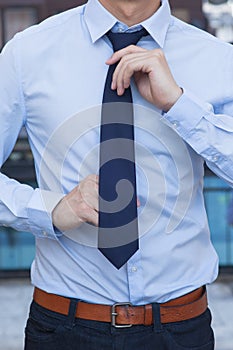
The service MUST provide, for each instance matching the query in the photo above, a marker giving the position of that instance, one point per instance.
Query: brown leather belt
(125, 314)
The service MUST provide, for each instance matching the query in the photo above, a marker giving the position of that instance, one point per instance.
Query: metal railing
(218, 201)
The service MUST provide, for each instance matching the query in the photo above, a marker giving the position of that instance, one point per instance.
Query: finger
(90, 196)
(92, 177)
(89, 183)
(127, 67)
(143, 61)
(92, 217)
(120, 81)
(117, 56)
(94, 201)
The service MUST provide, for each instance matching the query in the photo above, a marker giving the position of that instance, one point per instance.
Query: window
(218, 2)
(182, 13)
(16, 19)
(12, 20)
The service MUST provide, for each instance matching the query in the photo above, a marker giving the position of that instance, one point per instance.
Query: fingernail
(120, 91)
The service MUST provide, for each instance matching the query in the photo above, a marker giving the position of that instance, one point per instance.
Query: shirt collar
(99, 21)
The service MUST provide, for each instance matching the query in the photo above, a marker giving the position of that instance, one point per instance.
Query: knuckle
(124, 59)
(126, 65)
(132, 47)
(89, 178)
(88, 215)
(83, 206)
(159, 53)
(85, 186)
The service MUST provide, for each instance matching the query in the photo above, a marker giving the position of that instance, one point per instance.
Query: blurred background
(17, 248)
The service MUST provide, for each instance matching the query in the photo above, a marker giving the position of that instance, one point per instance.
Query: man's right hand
(78, 206)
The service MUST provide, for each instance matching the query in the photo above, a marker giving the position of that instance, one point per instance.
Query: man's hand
(78, 206)
(151, 73)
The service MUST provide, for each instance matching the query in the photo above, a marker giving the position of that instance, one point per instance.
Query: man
(52, 81)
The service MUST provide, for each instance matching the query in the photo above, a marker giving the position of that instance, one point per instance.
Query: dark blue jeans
(47, 330)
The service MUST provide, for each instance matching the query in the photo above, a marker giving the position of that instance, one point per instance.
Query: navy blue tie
(118, 225)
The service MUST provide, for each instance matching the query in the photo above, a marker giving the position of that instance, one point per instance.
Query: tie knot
(121, 40)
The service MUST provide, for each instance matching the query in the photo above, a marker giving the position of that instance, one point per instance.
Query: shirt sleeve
(21, 206)
(210, 134)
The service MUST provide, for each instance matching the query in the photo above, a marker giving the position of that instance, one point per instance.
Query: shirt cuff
(39, 210)
(186, 113)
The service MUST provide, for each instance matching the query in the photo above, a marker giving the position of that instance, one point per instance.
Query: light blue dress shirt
(52, 81)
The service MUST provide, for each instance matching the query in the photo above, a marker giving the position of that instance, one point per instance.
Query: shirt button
(45, 233)
(215, 158)
(134, 269)
(175, 124)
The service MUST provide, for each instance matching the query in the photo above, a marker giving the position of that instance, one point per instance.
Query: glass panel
(17, 19)
(218, 201)
(218, 2)
(17, 249)
(182, 14)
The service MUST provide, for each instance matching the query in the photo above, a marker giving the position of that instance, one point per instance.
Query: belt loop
(156, 318)
(72, 313)
(148, 316)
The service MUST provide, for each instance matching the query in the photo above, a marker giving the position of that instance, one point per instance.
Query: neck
(131, 12)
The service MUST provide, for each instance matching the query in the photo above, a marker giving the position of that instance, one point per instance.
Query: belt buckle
(114, 315)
